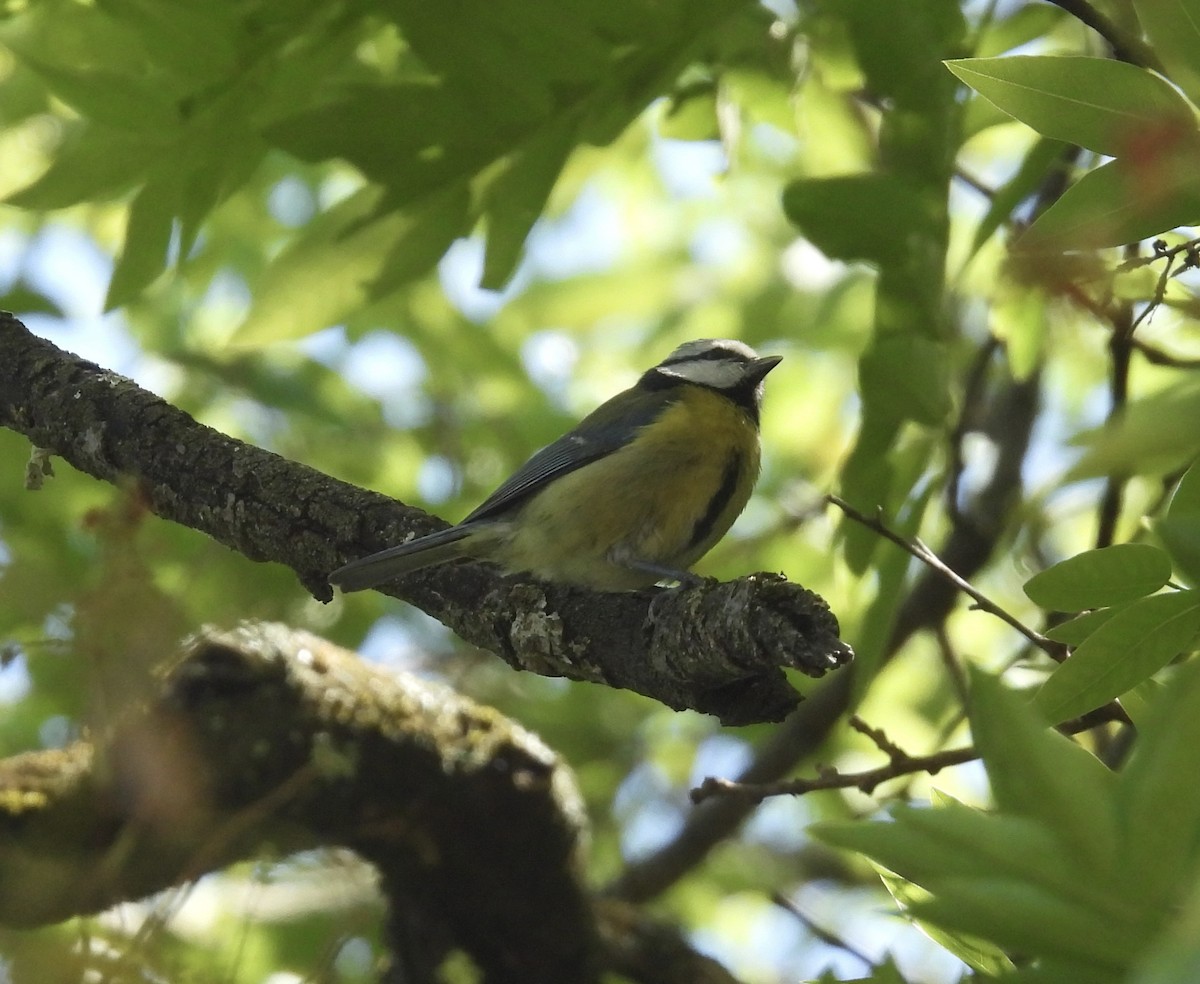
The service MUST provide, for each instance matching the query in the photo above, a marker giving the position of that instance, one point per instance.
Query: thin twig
(901, 764)
(1160, 292)
(919, 550)
(1121, 350)
(878, 737)
(1188, 251)
(972, 182)
(1126, 48)
(969, 417)
(826, 936)
(1156, 356)
(1161, 252)
(958, 679)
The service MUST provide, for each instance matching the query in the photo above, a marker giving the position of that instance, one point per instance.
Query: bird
(634, 495)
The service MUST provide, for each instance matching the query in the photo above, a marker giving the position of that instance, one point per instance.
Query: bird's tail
(424, 551)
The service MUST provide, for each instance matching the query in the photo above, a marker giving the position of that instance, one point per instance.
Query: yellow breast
(664, 498)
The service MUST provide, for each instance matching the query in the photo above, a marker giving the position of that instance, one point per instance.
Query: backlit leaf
(1039, 773)
(1180, 528)
(1160, 803)
(1134, 644)
(1139, 443)
(1120, 203)
(860, 217)
(147, 237)
(1173, 27)
(1098, 103)
(1099, 578)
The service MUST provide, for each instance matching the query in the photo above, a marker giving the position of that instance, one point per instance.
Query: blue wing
(609, 427)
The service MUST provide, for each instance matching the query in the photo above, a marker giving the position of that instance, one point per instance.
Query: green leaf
(1180, 528)
(872, 644)
(94, 63)
(1018, 317)
(980, 115)
(147, 237)
(884, 474)
(867, 478)
(1173, 27)
(1139, 443)
(1120, 202)
(1025, 24)
(907, 377)
(1175, 958)
(351, 256)
(900, 54)
(218, 152)
(859, 217)
(94, 163)
(72, 35)
(196, 42)
(1134, 644)
(1037, 772)
(503, 48)
(215, 173)
(691, 113)
(1160, 800)
(975, 866)
(927, 846)
(1024, 918)
(884, 972)
(1099, 578)
(515, 197)
(1098, 103)
(1074, 631)
(1049, 970)
(1174, 961)
(21, 298)
(1139, 701)
(413, 138)
(975, 951)
(120, 101)
(1042, 156)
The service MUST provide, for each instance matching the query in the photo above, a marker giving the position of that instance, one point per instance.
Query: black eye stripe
(710, 355)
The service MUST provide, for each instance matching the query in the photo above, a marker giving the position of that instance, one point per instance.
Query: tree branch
(820, 932)
(899, 764)
(716, 648)
(268, 739)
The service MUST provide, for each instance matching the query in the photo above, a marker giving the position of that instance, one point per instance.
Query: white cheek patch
(719, 374)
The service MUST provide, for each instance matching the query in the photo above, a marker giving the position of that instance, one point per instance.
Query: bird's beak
(758, 368)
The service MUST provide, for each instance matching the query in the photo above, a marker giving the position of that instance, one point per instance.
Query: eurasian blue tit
(636, 494)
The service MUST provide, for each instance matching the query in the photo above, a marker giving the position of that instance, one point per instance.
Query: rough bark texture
(717, 648)
(269, 739)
